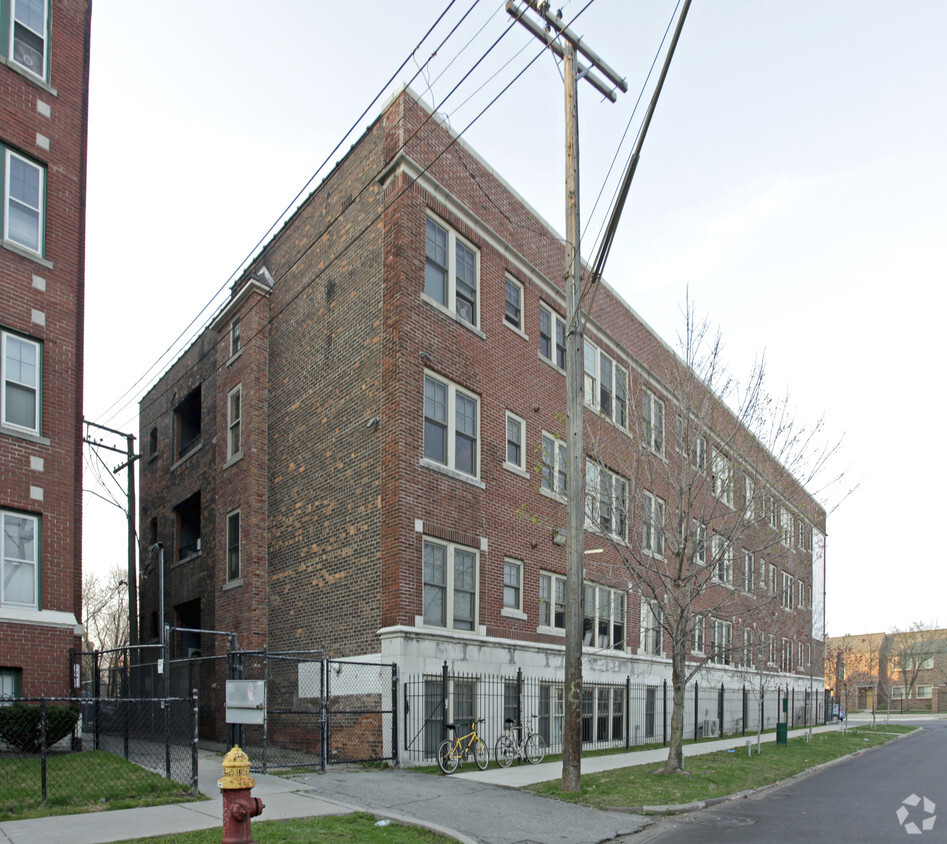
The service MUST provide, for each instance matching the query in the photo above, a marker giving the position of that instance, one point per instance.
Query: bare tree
(723, 522)
(105, 616)
(912, 651)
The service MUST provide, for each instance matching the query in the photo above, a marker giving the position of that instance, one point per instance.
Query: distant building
(364, 451)
(44, 81)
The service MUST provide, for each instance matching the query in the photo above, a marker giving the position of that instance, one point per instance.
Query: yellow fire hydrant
(239, 806)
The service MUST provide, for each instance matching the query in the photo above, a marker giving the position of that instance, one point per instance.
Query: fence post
(266, 686)
(42, 746)
(720, 709)
(444, 698)
(745, 713)
(324, 707)
(627, 711)
(696, 709)
(125, 714)
(664, 716)
(519, 700)
(194, 712)
(792, 707)
(167, 738)
(96, 690)
(395, 754)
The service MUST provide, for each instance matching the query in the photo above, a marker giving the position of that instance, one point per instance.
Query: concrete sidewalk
(477, 805)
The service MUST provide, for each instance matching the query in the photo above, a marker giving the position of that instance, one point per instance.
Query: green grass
(717, 774)
(339, 829)
(93, 781)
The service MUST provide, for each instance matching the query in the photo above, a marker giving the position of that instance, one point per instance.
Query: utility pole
(551, 33)
(131, 458)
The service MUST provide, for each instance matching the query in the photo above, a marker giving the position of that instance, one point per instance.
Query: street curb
(682, 808)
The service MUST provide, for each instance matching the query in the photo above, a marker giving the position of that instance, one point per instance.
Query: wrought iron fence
(621, 714)
(122, 741)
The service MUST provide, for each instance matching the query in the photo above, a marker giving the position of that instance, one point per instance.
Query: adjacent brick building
(362, 451)
(44, 79)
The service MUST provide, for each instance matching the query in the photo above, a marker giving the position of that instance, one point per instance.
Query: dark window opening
(153, 441)
(187, 422)
(188, 523)
(154, 531)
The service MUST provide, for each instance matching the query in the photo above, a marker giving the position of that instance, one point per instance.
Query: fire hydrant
(239, 806)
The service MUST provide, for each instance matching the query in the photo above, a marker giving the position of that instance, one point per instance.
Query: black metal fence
(123, 742)
(621, 714)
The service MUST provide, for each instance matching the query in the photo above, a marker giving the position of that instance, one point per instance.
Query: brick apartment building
(362, 451)
(44, 76)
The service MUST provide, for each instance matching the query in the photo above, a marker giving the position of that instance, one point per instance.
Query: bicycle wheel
(535, 749)
(505, 751)
(481, 756)
(446, 758)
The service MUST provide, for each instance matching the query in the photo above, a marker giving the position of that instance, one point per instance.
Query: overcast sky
(794, 180)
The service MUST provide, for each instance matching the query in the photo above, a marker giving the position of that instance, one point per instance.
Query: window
(233, 422)
(187, 422)
(20, 576)
(746, 655)
(513, 585)
(552, 337)
(606, 500)
(233, 546)
(699, 540)
(773, 507)
(235, 337)
(805, 535)
(604, 624)
(723, 560)
(787, 591)
(514, 304)
(450, 585)
(153, 442)
(515, 441)
(653, 525)
(785, 522)
(451, 425)
(748, 570)
(652, 414)
(11, 683)
(721, 633)
(552, 601)
(29, 34)
(785, 660)
(697, 634)
(772, 579)
(22, 365)
(924, 692)
(801, 595)
(926, 663)
(554, 459)
(800, 655)
(23, 199)
(452, 272)
(606, 385)
(723, 478)
(699, 454)
(650, 628)
(749, 499)
(187, 517)
(897, 692)
(771, 650)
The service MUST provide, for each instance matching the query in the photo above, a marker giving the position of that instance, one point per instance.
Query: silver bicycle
(517, 744)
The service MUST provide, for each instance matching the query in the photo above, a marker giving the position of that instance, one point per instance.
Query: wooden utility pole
(552, 33)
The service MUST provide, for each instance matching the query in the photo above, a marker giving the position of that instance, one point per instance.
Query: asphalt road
(857, 800)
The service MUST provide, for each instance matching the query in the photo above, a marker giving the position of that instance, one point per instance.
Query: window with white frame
(29, 35)
(925, 663)
(786, 595)
(513, 303)
(773, 512)
(749, 498)
(606, 500)
(748, 570)
(699, 542)
(452, 272)
(606, 385)
(234, 415)
(24, 195)
(513, 585)
(785, 524)
(800, 654)
(897, 692)
(652, 416)
(772, 579)
(603, 626)
(785, 659)
(699, 454)
(651, 633)
(11, 683)
(805, 535)
(21, 374)
(723, 478)
(19, 583)
(808, 654)
(450, 585)
(451, 425)
(652, 525)
(697, 634)
(515, 441)
(234, 569)
(553, 465)
(235, 337)
(552, 337)
(721, 636)
(723, 559)
(746, 655)
(924, 692)
(771, 649)
(552, 600)
(801, 595)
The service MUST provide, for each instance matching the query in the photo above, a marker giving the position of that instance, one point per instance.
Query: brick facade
(43, 117)
(340, 500)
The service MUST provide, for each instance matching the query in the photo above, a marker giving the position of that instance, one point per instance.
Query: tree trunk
(675, 760)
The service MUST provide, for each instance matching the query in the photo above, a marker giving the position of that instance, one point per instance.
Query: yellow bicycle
(453, 751)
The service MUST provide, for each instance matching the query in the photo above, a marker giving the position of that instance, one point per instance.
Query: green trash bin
(782, 733)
